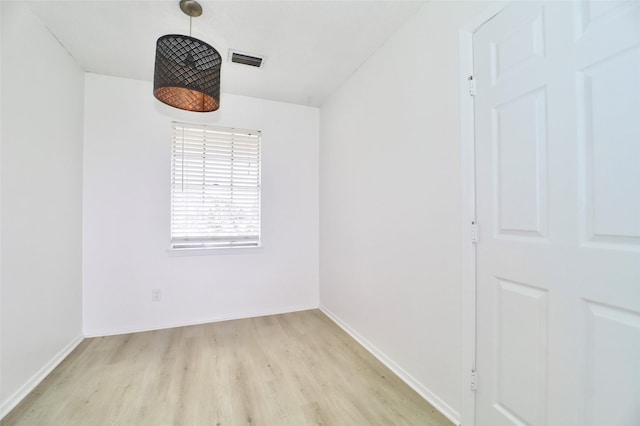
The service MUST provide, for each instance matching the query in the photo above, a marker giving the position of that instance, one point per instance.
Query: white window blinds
(215, 187)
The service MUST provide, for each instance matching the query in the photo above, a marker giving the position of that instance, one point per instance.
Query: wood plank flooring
(291, 369)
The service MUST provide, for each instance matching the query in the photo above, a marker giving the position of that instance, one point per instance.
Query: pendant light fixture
(187, 70)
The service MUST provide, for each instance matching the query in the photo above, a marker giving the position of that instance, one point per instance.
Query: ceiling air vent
(246, 59)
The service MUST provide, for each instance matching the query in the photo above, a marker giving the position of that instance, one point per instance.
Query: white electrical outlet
(156, 295)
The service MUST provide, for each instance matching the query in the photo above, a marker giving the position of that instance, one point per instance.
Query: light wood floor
(292, 369)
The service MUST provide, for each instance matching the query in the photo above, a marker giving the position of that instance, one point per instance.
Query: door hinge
(472, 85)
(474, 380)
(474, 232)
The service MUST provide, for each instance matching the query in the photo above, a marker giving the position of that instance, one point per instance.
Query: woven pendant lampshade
(187, 70)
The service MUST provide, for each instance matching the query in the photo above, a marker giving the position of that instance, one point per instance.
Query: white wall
(41, 252)
(390, 211)
(126, 214)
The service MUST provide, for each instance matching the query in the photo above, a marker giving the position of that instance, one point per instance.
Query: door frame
(468, 208)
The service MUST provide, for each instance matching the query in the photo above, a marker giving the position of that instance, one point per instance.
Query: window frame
(212, 137)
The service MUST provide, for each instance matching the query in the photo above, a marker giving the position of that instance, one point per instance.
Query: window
(215, 187)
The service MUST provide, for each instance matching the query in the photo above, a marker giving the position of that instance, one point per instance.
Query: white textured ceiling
(311, 47)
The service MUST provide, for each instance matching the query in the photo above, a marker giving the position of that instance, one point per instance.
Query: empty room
(320, 212)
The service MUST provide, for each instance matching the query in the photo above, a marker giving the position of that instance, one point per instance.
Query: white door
(557, 113)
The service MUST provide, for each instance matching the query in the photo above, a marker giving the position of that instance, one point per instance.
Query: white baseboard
(30, 385)
(112, 331)
(422, 390)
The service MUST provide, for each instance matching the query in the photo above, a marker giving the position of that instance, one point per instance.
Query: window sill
(213, 251)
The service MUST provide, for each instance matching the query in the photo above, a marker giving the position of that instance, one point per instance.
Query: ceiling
(310, 47)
